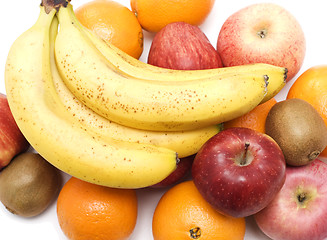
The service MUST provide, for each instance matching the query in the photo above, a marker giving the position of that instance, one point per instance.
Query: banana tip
(177, 159)
(266, 78)
(285, 74)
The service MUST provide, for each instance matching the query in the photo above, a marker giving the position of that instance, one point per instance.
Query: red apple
(239, 171)
(263, 32)
(12, 141)
(183, 167)
(299, 210)
(180, 45)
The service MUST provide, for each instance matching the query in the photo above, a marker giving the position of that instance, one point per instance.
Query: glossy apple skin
(182, 46)
(232, 188)
(289, 219)
(12, 141)
(240, 42)
(183, 167)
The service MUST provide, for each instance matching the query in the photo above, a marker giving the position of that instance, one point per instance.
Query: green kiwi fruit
(29, 184)
(298, 129)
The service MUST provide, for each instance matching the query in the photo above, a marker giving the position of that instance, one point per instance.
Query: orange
(312, 87)
(87, 211)
(153, 15)
(183, 214)
(114, 23)
(255, 119)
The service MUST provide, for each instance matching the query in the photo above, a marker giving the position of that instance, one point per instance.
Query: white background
(17, 16)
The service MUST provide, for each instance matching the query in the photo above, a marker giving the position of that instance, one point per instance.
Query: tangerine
(183, 214)
(87, 211)
(114, 23)
(255, 119)
(153, 15)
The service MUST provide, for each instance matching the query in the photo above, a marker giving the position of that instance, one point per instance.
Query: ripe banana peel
(138, 69)
(149, 101)
(59, 137)
(102, 116)
(185, 143)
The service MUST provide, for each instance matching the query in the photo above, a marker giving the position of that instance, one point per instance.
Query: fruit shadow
(253, 231)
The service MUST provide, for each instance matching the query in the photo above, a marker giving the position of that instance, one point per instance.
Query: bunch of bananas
(102, 116)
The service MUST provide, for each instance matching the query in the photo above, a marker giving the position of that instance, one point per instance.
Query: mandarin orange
(114, 23)
(87, 211)
(255, 119)
(183, 214)
(153, 15)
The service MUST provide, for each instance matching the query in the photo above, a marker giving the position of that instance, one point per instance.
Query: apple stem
(243, 160)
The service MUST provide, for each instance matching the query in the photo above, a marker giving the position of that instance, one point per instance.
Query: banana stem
(53, 4)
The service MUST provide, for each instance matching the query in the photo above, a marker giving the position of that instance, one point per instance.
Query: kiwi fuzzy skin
(29, 184)
(298, 129)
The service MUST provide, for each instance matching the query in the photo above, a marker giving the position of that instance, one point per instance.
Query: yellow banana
(185, 143)
(146, 104)
(138, 69)
(59, 137)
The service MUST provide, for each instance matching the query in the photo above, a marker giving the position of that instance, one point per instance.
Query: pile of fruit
(198, 121)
